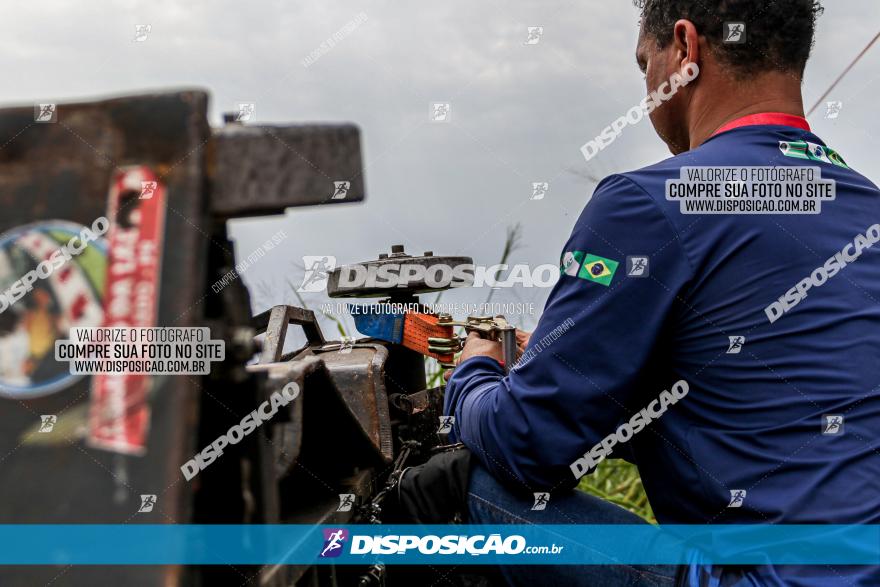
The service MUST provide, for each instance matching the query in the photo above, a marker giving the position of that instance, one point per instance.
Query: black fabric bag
(435, 492)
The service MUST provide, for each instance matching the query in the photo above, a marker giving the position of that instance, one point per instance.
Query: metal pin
(441, 350)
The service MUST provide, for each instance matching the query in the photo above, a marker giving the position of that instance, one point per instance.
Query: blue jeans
(491, 503)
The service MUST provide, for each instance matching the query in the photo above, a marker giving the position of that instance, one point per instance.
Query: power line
(845, 71)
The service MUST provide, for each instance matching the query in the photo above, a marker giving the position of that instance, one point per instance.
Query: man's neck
(774, 92)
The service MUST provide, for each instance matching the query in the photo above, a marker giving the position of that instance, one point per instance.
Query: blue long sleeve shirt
(718, 304)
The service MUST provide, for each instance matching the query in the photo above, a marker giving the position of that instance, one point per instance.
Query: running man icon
(333, 540)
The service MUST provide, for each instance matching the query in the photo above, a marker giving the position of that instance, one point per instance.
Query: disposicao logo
(334, 539)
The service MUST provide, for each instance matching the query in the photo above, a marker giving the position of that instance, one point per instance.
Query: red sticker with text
(119, 417)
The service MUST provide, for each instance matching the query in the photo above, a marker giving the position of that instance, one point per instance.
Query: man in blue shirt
(716, 322)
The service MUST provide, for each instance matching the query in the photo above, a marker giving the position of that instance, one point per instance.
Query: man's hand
(475, 346)
(522, 340)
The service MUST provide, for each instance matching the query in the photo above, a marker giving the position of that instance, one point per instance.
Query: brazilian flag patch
(598, 269)
(812, 151)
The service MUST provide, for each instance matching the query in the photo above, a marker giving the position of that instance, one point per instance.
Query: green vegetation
(618, 482)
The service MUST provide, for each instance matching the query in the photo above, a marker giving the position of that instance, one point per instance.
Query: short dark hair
(778, 33)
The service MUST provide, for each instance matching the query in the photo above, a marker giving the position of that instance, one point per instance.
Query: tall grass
(619, 482)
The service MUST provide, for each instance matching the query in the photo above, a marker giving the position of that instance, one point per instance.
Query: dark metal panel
(264, 169)
(62, 171)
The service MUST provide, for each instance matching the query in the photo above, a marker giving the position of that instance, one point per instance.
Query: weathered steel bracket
(355, 373)
(274, 323)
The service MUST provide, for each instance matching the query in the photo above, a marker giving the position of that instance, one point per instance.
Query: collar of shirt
(766, 118)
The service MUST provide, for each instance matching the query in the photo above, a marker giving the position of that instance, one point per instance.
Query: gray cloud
(520, 112)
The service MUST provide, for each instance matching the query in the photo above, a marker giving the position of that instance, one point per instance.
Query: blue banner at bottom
(137, 544)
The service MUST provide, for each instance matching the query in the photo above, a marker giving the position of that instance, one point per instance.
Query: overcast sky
(519, 112)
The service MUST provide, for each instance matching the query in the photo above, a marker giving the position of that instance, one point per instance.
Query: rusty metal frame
(274, 323)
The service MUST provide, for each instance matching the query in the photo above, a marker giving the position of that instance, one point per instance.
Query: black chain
(375, 575)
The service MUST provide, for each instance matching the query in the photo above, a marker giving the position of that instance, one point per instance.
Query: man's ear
(686, 42)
